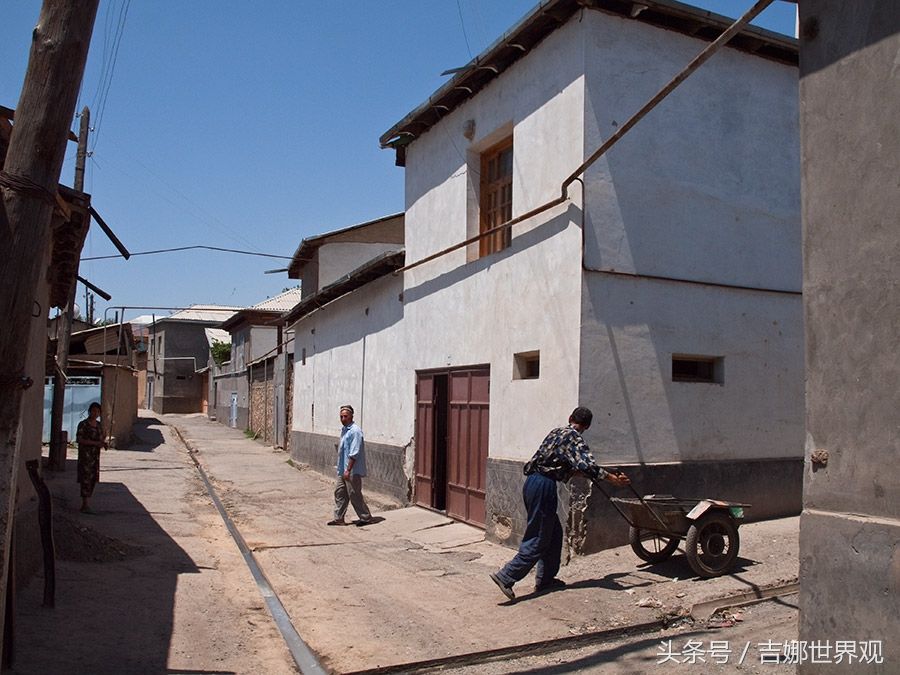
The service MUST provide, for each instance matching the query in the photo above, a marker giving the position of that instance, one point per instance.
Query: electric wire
(191, 248)
(117, 42)
(207, 218)
(463, 24)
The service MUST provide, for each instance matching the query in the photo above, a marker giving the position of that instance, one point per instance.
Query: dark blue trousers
(542, 542)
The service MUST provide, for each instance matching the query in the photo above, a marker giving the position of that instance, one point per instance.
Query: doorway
(452, 411)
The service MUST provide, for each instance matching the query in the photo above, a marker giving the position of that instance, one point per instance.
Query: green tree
(221, 351)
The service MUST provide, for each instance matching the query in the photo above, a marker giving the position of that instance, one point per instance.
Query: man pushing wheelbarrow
(562, 454)
(657, 522)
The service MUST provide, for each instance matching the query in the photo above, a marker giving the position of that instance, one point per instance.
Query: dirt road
(152, 583)
(155, 584)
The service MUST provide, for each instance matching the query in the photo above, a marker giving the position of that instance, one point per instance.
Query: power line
(192, 248)
(109, 68)
(204, 216)
(463, 24)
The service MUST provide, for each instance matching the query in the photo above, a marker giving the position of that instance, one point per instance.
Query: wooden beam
(29, 182)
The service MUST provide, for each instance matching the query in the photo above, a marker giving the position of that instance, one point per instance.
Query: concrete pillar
(850, 145)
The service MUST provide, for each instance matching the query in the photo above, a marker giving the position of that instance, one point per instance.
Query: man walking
(351, 467)
(562, 454)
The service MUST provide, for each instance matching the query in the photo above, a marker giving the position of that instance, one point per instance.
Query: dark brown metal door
(425, 440)
(467, 449)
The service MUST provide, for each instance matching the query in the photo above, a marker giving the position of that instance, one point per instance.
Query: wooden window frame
(495, 198)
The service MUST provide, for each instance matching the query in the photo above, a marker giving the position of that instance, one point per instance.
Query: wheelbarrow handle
(640, 499)
(616, 506)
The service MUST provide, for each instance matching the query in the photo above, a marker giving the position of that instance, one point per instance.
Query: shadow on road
(146, 437)
(116, 576)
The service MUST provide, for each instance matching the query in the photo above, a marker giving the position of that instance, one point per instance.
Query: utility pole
(28, 187)
(58, 438)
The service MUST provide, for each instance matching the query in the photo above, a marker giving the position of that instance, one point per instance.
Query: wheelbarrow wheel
(651, 546)
(712, 544)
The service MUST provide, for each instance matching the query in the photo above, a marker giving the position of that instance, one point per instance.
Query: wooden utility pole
(59, 440)
(28, 186)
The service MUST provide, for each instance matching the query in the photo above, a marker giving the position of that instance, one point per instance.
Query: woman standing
(89, 436)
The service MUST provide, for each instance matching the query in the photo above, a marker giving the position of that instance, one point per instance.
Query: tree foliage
(221, 351)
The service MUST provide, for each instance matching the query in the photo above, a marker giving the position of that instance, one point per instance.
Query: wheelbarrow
(657, 523)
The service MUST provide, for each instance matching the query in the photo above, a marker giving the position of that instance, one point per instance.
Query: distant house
(102, 367)
(179, 347)
(248, 391)
(662, 290)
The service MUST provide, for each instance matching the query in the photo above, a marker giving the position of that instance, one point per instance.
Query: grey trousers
(350, 492)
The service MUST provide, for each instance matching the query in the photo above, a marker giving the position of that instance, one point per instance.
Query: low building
(248, 390)
(178, 348)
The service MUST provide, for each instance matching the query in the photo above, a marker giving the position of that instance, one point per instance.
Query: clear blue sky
(253, 125)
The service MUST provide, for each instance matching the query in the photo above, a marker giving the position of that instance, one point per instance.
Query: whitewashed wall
(528, 296)
(708, 184)
(352, 352)
(705, 188)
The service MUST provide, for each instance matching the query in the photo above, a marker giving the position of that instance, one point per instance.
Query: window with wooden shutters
(496, 196)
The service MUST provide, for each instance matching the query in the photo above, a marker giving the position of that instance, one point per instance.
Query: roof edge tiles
(550, 15)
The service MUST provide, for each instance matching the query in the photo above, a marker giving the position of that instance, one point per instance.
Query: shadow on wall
(520, 242)
(115, 591)
(381, 309)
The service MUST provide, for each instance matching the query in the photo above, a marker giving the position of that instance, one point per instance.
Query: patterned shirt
(562, 453)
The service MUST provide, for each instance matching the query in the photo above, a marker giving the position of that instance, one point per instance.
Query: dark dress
(88, 456)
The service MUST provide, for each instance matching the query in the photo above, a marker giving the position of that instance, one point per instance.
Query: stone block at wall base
(837, 550)
(772, 486)
(384, 463)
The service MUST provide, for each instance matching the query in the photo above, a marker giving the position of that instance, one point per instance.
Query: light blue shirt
(352, 445)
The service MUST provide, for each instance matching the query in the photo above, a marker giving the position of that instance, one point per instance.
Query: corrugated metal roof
(203, 313)
(217, 335)
(281, 302)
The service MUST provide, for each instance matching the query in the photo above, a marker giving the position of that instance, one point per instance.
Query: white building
(663, 292)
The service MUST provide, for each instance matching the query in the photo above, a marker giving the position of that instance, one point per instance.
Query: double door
(452, 441)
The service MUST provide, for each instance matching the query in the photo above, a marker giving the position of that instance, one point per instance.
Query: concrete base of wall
(836, 548)
(384, 463)
(773, 488)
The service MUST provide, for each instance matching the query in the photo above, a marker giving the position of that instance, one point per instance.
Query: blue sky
(253, 125)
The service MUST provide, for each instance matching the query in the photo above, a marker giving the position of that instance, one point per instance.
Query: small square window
(690, 368)
(527, 365)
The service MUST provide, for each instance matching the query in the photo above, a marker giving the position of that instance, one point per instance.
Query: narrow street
(152, 583)
(155, 583)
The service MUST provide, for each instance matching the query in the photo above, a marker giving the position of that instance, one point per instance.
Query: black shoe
(507, 590)
(337, 521)
(553, 585)
(363, 523)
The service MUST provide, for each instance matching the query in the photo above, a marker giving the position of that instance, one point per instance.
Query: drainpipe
(266, 401)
